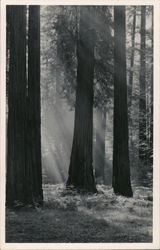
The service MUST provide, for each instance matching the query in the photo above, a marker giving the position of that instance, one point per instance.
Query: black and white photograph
(80, 161)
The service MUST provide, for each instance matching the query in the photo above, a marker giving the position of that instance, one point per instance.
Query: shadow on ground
(68, 217)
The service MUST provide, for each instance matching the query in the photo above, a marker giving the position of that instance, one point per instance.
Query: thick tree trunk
(121, 166)
(81, 163)
(16, 106)
(100, 145)
(132, 59)
(142, 99)
(34, 173)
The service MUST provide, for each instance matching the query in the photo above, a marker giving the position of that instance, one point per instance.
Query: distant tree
(100, 144)
(103, 88)
(142, 97)
(121, 165)
(142, 170)
(149, 87)
(132, 53)
(33, 150)
(132, 57)
(81, 163)
(16, 126)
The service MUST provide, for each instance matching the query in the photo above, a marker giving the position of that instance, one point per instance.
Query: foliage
(61, 26)
(56, 196)
(134, 108)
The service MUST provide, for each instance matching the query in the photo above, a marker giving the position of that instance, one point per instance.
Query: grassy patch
(70, 217)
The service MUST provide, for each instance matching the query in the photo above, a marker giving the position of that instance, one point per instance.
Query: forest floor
(69, 217)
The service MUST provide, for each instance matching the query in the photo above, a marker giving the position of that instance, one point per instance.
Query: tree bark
(100, 145)
(34, 174)
(16, 126)
(121, 165)
(142, 98)
(81, 163)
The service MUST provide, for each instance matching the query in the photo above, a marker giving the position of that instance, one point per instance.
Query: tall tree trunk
(81, 162)
(132, 58)
(121, 166)
(100, 145)
(131, 75)
(142, 99)
(16, 106)
(34, 174)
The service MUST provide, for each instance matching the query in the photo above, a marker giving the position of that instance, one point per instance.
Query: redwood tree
(24, 176)
(121, 166)
(81, 169)
(16, 106)
(142, 97)
(34, 166)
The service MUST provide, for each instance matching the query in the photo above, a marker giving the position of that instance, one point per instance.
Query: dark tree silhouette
(24, 174)
(16, 106)
(34, 167)
(81, 168)
(121, 166)
(142, 98)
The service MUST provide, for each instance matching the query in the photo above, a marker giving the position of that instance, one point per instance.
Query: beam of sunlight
(57, 132)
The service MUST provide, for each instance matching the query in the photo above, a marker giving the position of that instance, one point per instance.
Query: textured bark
(132, 59)
(121, 166)
(16, 106)
(100, 145)
(81, 168)
(34, 165)
(142, 99)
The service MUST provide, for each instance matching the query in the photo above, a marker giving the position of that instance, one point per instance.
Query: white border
(156, 176)
(78, 2)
